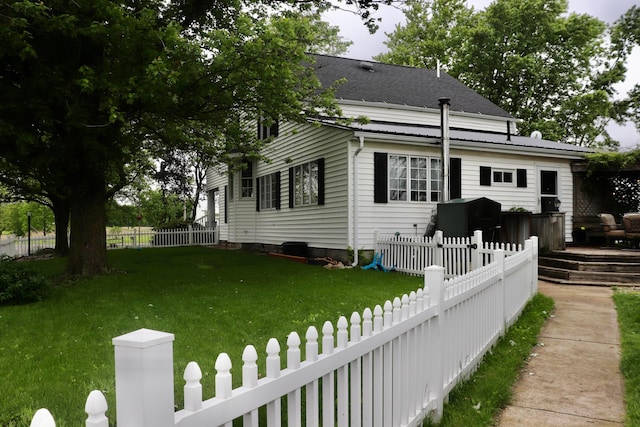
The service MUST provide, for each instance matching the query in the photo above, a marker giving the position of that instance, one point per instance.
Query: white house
(333, 185)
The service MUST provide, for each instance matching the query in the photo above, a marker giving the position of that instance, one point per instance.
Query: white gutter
(355, 201)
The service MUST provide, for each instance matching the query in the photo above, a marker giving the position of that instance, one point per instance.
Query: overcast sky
(365, 45)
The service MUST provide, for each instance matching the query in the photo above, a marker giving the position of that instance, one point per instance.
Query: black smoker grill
(461, 217)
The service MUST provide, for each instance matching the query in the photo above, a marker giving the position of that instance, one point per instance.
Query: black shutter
(260, 130)
(455, 178)
(275, 128)
(257, 194)
(277, 190)
(292, 186)
(226, 204)
(320, 181)
(380, 165)
(522, 177)
(485, 175)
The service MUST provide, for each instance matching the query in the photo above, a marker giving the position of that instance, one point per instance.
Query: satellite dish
(536, 134)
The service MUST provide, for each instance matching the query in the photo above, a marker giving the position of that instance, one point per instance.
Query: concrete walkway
(573, 377)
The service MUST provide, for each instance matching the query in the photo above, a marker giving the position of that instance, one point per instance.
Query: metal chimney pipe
(444, 129)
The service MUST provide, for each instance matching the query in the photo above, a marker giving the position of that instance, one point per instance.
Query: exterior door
(549, 200)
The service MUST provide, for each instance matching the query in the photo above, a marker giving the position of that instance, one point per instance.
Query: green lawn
(628, 308)
(53, 353)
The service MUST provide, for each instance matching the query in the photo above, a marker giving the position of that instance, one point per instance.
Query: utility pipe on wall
(444, 129)
(355, 201)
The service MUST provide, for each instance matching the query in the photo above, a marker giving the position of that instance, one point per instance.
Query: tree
(550, 69)
(91, 86)
(625, 36)
(433, 34)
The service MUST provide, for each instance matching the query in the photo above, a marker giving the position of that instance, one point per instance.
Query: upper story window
(247, 179)
(267, 129)
(414, 178)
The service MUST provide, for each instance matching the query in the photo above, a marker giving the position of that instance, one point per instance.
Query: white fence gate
(458, 255)
(390, 366)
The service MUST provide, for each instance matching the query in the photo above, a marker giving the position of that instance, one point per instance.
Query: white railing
(390, 366)
(131, 238)
(458, 255)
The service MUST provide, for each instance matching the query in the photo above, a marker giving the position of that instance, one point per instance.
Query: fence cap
(143, 338)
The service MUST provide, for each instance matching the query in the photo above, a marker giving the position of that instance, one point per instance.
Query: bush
(19, 283)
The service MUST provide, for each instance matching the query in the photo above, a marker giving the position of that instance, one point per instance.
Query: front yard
(53, 353)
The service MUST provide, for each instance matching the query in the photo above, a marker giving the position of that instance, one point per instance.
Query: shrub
(19, 283)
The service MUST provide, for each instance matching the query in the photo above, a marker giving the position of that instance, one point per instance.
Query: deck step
(611, 269)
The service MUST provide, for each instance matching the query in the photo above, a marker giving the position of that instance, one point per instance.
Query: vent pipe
(444, 129)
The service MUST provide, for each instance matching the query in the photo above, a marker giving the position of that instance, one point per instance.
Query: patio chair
(611, 229)
(631, 223)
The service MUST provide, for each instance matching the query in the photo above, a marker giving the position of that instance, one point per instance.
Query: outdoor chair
(631, 223)
(611, 229)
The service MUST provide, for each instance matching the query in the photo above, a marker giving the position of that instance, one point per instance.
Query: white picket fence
(133, 238)
(458, 255)
(387, 367)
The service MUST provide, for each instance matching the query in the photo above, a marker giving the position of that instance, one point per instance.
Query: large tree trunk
(88, 246)
(61, 217)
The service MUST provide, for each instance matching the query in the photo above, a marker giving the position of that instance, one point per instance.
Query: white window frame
(246, 181)
(415, 179)
(306, 184)
(267, 191)
(502, 174)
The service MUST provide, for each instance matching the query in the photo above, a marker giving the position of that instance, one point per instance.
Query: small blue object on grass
(376, 264)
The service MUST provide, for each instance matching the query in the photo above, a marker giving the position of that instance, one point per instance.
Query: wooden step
(602, 278)
(596, 266)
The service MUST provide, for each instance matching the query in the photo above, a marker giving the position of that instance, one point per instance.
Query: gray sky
(366, 45)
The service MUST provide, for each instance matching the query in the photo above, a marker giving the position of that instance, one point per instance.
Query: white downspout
(355, 201)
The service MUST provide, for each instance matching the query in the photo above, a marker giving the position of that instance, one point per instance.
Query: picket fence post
(439, 240)
(534, 263)
(144, 379)
(434, 286)
(476, 246)
(498, 257)
(42, 418)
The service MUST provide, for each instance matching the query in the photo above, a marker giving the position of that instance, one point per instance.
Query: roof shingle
(395, 84)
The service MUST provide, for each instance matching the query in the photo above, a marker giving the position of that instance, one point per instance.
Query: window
(417, 179)
(267, 129)
(247, 179)
(269, 192)
(503, 177)
(306, 184)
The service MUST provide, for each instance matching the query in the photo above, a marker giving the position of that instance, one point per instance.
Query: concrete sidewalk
(573, 377)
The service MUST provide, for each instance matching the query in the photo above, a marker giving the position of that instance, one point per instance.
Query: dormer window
(267, 129)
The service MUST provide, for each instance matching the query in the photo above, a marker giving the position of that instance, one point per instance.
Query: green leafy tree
(626, 36)
(551, 69)
(433, 34)
(90, 87)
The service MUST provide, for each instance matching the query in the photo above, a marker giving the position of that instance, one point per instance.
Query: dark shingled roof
(395, 84)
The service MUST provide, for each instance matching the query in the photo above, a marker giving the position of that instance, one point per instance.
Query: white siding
(319, 226)
(425, 116)
(332, 225)
(400, 217)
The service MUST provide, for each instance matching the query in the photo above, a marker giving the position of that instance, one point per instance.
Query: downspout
(444, 129)
(355, 202)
